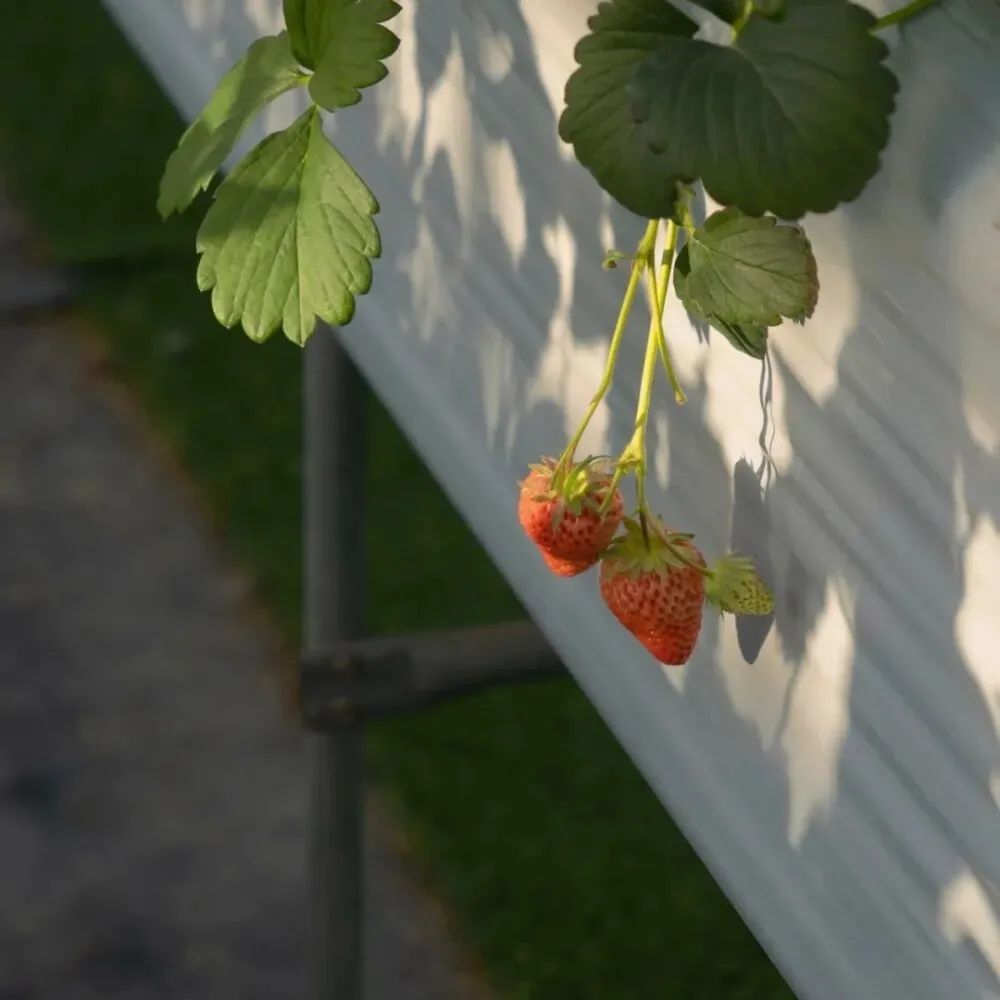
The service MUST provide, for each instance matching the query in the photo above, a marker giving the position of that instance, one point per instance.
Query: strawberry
(564, 567)
(734, 586)
(562, 514)
(653, 592)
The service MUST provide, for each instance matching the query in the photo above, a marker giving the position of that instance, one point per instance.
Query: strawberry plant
(788, 115)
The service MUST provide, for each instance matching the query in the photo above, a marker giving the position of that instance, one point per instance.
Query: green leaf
(289, 236)
(304, 21)
(354, 44)
(597, 119)
(750, 338)
(266, 70)
(790, 119)
(747, 269)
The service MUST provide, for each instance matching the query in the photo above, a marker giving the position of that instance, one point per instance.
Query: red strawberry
(564, 567)
(562, 515)
(653, 592)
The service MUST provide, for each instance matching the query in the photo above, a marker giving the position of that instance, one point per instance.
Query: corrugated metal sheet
(839, 773)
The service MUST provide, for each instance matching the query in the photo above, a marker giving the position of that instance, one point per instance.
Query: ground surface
(152, 791)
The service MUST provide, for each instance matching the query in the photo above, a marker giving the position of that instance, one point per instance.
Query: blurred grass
(562, 869)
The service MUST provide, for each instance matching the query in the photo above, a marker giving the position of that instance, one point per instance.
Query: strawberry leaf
(791, 118)
(353, 43)
(304, 20)
(289, 237)
(749, 270)
(266, 70)
(750, 338)
(597, 120)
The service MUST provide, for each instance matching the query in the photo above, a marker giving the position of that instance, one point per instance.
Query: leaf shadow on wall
(506, 283)
(827, 530)
(874, 471)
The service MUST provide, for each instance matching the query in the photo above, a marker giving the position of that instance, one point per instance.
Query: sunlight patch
(567, 371)
(435, 311)
(496, 50)
(811, 351)
(977, 625)
(453, 135)
(265, 15)
(506, 197)
(819, 715)
(757, 692)
(966, 914)
(400, 95)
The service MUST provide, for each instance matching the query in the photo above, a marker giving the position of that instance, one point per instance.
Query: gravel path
(152, 788)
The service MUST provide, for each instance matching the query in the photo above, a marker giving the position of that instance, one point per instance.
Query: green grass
(562, 869)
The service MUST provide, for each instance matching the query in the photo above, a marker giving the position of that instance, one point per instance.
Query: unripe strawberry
(734, 586)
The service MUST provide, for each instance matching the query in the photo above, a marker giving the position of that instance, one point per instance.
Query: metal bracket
(346, 680)
(375, 677)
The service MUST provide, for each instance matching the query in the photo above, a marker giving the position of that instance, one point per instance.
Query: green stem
(646, 390)
(638, 264)
(635, 450)
(656, 344)
(634, 453)
(685, 196)
(610, 495)
(741, 22)
(678, 553)
(903, 14)
(658, 288)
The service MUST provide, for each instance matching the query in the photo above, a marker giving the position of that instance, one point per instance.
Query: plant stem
(643, 251)
(741, 22)
(634, 453)
(658, 288)
(688, 561)
(656, 343)
(903, 14)
(635, 450)
(678, 553)
(685, 197)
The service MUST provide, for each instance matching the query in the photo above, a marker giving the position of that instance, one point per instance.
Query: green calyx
(735, 586)
(655, 547)
(575, 486)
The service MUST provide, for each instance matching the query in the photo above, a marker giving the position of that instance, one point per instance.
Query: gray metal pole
(333, 559)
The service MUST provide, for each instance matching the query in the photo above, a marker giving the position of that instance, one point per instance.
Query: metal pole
(333, 560)
(386, 675)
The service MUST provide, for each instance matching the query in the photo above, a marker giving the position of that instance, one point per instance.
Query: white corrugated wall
(843, 785)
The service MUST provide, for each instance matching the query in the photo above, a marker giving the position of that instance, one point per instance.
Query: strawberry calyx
(637, 551)
(574, 487)
(736, 587)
